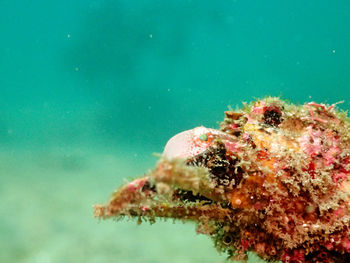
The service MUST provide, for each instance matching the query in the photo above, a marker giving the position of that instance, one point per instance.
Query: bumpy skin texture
(274, 180)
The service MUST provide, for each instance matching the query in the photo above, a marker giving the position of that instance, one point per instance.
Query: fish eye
(227, 240)
(273, 116)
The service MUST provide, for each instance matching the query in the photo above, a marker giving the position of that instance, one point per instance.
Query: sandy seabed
(46, 213)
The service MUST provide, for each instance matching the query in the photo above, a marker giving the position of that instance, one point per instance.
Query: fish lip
(188, 144)
(160, 191)
(182, 145)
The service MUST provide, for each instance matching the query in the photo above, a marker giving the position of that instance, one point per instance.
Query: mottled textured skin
(274, 180)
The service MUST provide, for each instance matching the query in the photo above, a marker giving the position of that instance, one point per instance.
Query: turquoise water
(90, 89)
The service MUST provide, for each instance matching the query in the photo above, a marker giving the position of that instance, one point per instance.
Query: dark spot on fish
(272, 116)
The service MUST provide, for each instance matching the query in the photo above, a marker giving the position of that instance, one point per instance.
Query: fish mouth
(191, 189)
(197, 170)
(156, 195)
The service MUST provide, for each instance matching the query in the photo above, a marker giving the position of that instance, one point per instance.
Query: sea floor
(47, 216)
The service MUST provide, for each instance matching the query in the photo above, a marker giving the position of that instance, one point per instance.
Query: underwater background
(90, 89)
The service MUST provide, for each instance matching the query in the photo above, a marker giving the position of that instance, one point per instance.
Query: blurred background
(90, 89)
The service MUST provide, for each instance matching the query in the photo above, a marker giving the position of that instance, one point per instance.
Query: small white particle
(333, 51)
(68, 35)
(76, 69)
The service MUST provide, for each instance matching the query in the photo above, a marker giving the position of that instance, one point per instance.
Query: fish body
(274, 179)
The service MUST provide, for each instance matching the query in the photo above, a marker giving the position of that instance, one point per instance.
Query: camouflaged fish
(274, 180)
